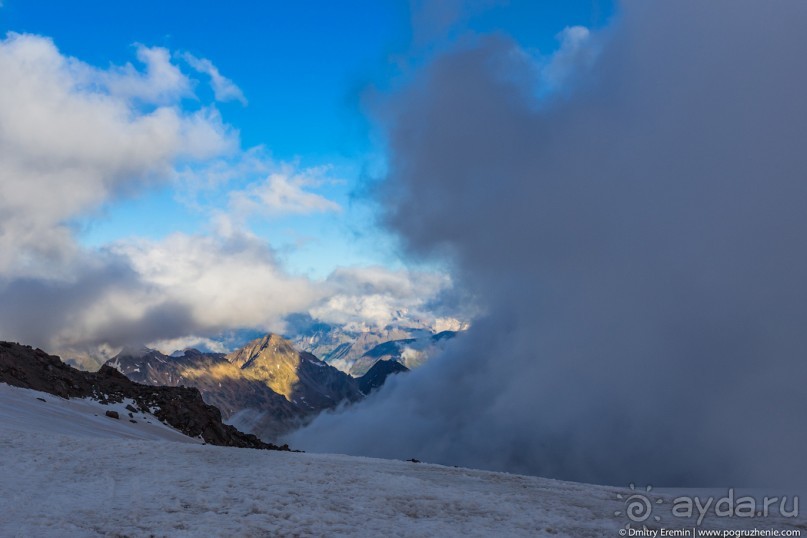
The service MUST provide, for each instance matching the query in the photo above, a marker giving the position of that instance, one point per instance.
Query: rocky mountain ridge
(180, 407)
(266, 387)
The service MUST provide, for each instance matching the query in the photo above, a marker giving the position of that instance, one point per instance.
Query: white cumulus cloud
(365, 297)
(222, 282)
(162, 81)
(73, 139)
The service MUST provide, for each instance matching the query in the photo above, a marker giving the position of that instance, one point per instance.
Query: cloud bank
(73, 139)
(636, 236)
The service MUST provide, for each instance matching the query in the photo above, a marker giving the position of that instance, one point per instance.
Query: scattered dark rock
(180, 407)
(41, 399)
(133, 421)
(112, 414)
(131, 409)
(131, 415)
(413, 460)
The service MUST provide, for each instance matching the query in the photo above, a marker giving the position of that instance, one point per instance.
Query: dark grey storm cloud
(639, 245)
(37, 312)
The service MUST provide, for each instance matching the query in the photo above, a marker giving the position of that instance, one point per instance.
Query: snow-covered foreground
(85, 481)
(24, 410)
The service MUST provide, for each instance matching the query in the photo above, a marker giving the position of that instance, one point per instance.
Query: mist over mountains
(354, 348)
(635, 237)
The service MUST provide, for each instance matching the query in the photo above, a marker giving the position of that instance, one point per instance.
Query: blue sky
(302, 65)
(303, 68)
(209, 163)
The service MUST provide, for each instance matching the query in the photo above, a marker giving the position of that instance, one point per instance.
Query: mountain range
(409, 352)
(267, 387)
(354, 350)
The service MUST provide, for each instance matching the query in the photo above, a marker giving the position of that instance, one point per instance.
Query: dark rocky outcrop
(180, 407)
(378, 374)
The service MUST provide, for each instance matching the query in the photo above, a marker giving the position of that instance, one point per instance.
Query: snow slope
(66, 473)
(20, 410)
